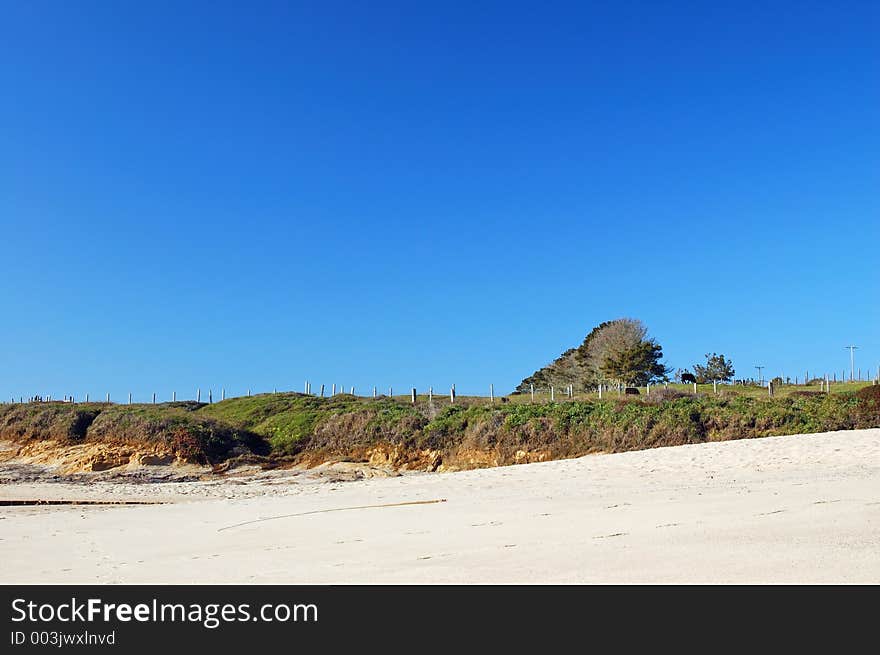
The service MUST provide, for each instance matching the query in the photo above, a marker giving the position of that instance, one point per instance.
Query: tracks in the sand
(31, 502)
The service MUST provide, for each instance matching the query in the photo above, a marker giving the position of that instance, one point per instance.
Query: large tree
(717, 368)
(637, 365)
(610, 339)
(614, 351)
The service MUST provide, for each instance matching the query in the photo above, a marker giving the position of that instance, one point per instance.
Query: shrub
(868, 406)
(58, 421)
(184, 432)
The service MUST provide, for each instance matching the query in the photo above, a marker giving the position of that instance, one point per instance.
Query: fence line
(825, 383)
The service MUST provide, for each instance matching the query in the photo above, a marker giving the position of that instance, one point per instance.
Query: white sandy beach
(797, 509)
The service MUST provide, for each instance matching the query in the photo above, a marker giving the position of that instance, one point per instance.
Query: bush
(59, 421)
(181, 430)
(868, 406)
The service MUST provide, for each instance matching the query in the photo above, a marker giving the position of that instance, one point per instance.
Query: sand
(796, 509)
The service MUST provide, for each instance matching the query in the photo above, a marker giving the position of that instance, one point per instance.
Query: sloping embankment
(98, 437)
(274, 429)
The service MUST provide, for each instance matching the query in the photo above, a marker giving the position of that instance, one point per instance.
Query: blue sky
(250, 195)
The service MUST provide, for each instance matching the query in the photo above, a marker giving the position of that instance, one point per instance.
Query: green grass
(180, 427)
(59, 421)
(288, 420)
(177, 427)
(290, 424)
(285, 420)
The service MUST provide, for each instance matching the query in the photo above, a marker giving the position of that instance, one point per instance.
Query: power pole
(852, 360)
(760, 377)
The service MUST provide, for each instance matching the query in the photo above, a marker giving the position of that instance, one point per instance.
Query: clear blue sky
(255, 194)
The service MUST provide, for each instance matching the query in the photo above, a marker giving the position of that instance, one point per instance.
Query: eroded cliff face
(296, 431)
(70, 459)
(398, 457)
(107, 461)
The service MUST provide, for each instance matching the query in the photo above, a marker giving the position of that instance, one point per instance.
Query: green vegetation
(285, 425)
(617, 351)
(59, 421)
(636, 364)
(717, 367)
(177, 427)
(289, 420)
(284, 420)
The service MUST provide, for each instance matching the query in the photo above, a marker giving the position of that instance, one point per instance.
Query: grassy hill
(472, 432)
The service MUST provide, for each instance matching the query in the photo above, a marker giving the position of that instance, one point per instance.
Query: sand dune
(791, 509)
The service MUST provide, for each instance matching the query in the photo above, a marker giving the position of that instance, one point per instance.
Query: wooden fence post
(413, 395)
(552, 396)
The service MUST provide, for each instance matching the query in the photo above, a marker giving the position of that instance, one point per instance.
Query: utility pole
(852, 360)
(760, 377)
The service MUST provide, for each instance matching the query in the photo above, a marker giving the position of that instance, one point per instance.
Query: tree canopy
(638, 365)
(613, 351)
(717, 368)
